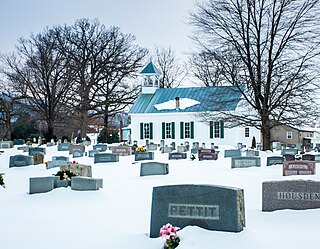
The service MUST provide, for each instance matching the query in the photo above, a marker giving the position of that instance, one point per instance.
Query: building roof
(150, 69)
(197, 99)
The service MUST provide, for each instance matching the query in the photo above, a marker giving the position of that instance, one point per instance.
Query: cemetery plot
(293, 194)
(245, 162)
(154, 168)
(301, 167)
(208, 206)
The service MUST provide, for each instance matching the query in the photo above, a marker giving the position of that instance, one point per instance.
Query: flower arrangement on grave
(2, 181)
(74, 162)
(169, 233)
(141, 149)
(65, 174)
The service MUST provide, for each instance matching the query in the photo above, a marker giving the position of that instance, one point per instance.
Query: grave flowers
(140, 149)
(65, 174)
(169, 233)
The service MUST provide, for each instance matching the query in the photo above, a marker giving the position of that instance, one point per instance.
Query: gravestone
(293, 194)
(290, 151)
(181, 148)
(208, 206)
(20, 161)
(167, 149)
(232, 153)
(289, 157)
(18, 142)
(60, 158)
(177, 155)
(152, 147)
(138, 156)
(23, 148)
(42, 184)
(93, 152)
(56, 163)
(162, 145)
(252, 153)
(100, 147)
(122, 150)
(308, 157)
(76, 147)
(38, 158)
(245, 162)
(50, 144)
(64, 146)
(6, 144)
(300, 167)
(173, 146)
(106, 158)
(317, 158)
(77, 153)
(154, 168)
(276, 145)
(195, 148)
(79, 169)
(272, 160)
(85, 183)
(35, 150)
(207, 154)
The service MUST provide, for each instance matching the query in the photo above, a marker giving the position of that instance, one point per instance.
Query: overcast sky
(153, 22)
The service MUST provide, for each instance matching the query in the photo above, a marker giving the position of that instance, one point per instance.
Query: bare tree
(40, 72)
(173, 72)
(98, 56)
(274, 47)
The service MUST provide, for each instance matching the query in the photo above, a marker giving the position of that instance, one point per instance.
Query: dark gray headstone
(64, 146)
(289, 157)
(245, 162)
(42, 184)
(272, 160)
(177, 155)
(154, 168)
(100, 147)
(308, 157)
(85, 183)
(18, 142)
(20, 161)
(139, 156)
(122, 150)
(35, 150)
(6, 144)
(232, 153)
(106, 158)
(293, 194)
(291, 151)
(77, 153)
(208, 206)
(299, 167)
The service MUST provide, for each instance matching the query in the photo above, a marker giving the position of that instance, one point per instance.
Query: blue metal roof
(219, 98)
(150, 69)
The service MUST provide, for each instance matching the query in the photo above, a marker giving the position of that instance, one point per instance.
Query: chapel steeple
(151, 78)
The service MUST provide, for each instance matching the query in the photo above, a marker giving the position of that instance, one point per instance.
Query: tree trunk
(105, 126)
(266, 135)
(8, 126)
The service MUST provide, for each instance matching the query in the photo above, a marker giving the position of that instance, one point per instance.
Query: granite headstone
(154, 168)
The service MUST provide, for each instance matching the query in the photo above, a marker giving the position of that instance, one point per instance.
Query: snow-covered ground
(118, 216)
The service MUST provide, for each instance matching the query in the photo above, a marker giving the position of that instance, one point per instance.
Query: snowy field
(118, 216)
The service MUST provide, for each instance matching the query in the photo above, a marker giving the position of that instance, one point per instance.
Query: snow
(118, 216)
(171, 104)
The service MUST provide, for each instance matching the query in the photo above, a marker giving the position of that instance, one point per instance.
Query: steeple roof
(150, 69)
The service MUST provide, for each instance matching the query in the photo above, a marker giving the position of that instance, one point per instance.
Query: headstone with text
(138, 156)
(100, 147)
(77, 153)
(232, 153)
(56, 163)
(208, 206)
(20, 161)
(245, 162)
(79, 169)
(106, 158)
(151, 147)
(154, 168)
(91, 153)
(272, 160)
(122, 150)
(207, 154)
(301, 167)
(177, 155)
(293, 194)
(290, 151)
(64, 146)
